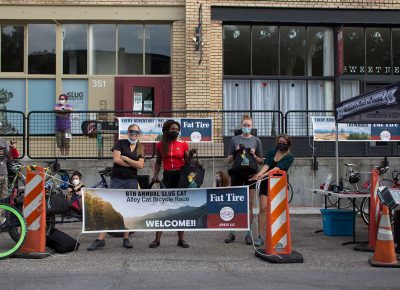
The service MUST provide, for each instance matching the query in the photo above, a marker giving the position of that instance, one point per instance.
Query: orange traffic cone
(384, 255)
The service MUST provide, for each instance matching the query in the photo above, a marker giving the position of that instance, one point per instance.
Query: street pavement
(209, 263)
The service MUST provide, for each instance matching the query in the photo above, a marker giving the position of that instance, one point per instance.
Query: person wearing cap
(5, 155)
(63, 124)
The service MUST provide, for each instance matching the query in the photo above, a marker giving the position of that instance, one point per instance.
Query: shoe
(248, 240)
(183, 244)
(230, 238)
(126, 243)
(259, 242)
(96, 245)
(154, 244)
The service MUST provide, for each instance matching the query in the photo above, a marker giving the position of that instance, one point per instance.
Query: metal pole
(337, 153)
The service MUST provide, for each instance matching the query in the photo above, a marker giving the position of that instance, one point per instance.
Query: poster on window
(137, 101)
(324, 130)
(192, 129)
(12, 98)
(211, 209)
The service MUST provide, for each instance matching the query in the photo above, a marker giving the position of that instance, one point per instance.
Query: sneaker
(96, 245)
(248, 240)
(126, 243)
(259, 242)
(230, 238)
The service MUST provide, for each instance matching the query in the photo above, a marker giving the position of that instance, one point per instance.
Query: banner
(199, 209)
(192, 129)
(324, 130)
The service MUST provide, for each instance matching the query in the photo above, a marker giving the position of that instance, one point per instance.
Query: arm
(117, 159)
(139, 164)
(186, 156)
(157, 167)
(261, 174)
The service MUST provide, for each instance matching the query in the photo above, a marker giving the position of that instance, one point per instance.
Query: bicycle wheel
(290, 192)
(10, 218)
(364, 211)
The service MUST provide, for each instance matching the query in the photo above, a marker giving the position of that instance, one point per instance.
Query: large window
(158, 49)
(12, 49)
(75, 48)
(42, 48)
(130, 49)
(278, 50)
(103, 38)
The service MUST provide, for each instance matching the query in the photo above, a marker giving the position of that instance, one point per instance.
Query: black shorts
(264, 187)
(171, 178)
(238, 179)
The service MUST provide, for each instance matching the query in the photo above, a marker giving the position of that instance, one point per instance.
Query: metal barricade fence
(298, 125)
(93, 134)
(267, 123)
(12, 128)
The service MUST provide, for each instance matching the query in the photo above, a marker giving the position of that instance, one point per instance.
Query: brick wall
(178, 66)
(95, 2)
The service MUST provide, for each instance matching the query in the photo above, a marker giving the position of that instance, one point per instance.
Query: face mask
(283, 147)
(62, 102)
(246, 130)
(172, 135)
(132, 141)
(75, 181)
(217, 178)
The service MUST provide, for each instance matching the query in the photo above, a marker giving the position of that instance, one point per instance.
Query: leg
(181, 241)
(262, 216)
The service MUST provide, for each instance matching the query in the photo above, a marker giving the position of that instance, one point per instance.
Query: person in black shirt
(128, 157)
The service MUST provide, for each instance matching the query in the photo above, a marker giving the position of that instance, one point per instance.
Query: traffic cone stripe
(35, 204)
(281, 220)
(376, 198)
(385, 222)
(279, 235)
(385, 235)
(278, 199)
(30, 189)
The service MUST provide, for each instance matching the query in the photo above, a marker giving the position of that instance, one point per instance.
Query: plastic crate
(337, 222)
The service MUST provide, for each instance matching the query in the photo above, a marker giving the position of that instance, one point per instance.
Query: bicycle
(10, 218)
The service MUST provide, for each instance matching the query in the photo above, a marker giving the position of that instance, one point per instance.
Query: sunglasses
(134, 132)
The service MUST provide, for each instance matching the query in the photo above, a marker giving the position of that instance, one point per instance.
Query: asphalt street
(209, 263)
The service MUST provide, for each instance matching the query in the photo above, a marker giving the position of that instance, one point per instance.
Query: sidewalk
(305, 210)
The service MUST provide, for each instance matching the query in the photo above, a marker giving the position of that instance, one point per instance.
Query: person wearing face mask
(277, 158)
(239, 149)
(74, 196)
(128, 157)
(171, 153)
(63, 125)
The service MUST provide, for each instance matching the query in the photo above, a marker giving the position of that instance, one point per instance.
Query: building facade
(158, 56)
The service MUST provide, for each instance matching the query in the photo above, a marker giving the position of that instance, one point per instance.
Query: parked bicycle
(10, 219)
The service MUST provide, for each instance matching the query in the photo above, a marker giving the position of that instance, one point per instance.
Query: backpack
(243, 162)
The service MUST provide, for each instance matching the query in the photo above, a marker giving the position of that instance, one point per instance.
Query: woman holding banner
(277, 158)
(172, 153)
(128, 157)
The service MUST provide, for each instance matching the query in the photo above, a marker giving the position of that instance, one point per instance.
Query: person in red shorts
(171, 153)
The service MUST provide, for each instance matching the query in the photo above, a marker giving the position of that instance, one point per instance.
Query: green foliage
(359, 136)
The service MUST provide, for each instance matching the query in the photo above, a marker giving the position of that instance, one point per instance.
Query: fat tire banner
(200, 209)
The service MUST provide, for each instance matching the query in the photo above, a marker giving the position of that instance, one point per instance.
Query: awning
(381, 106)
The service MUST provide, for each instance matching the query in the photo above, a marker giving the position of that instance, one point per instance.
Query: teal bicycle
(10, 219)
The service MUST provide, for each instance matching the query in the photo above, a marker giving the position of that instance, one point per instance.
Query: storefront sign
(324, 130)
(192, 130)
(165, 209)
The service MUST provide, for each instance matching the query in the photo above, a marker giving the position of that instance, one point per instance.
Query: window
(293, 50)
(349, 89)
(319, 51)
(265, 50)
(103, 40)
(158, 49)
(75, 48)
(42, 48)
(396, 50)
(378, 51)
(237, 53)
(354, 52)
(12, 49)
(130, 49)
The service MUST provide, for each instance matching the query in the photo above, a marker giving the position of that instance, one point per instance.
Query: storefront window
(158, 49)
(265, 50)
(293, 50)
(237, 53)
(12, 49)
(378, 50)
(320, 95)
(319, 51)
(42, 48)
(103, 39)
(354, 50)
(349, 89)
(75, 48)
(396, 50)
(130, 49)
